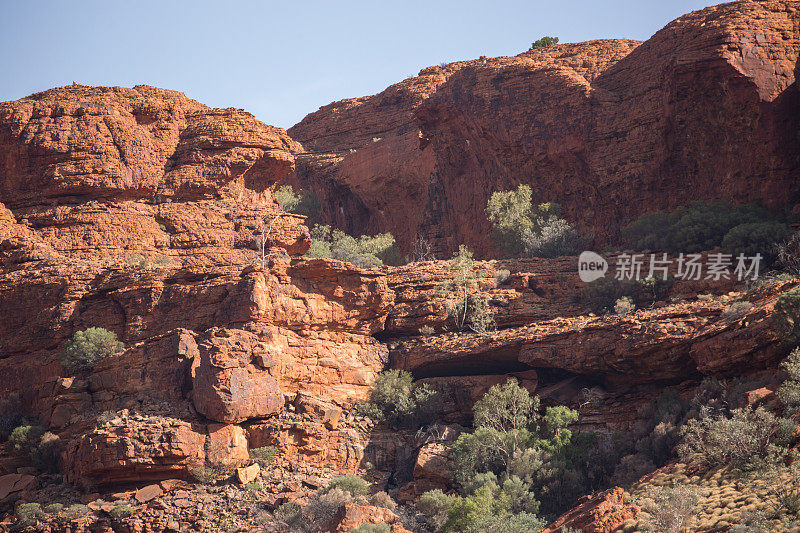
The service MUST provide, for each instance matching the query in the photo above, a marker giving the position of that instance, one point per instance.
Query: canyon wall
(707, 108)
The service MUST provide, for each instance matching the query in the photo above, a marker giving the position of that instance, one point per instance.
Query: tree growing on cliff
(470, 309)
(86, 348)
(520, 229)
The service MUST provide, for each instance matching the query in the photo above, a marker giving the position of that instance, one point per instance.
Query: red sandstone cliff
(705, 109)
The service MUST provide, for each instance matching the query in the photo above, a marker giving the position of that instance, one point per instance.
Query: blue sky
(283, 60)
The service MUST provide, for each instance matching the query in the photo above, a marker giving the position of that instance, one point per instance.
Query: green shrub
(351, 484)
(757, 238)
(303, 203)
(29, 511)
(24, 438)
(288, 511)
(522, 230)
(77, 510)
(749, 439)
(704, 226)
(365, 252)
(789, 391)
(787, 316)
(373, 528)
(88, 347)
(265, 455)
(121, 512)
(517, 523)
(435, 505)
(396, 399)
(544, 42)
(476, 316)
(603, 294)
(206, 474)
(53, 508)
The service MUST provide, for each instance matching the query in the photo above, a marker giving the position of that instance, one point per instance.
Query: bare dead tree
(422, 250)
(262, 240)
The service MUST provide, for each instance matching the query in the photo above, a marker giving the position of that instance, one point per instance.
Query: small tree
(88, 347)
(365, 252)
(470, 310)
(402, 403)
(304, 203)
(520, 229)
(544, 42)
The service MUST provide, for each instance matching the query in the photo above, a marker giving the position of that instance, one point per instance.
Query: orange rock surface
(609, 129)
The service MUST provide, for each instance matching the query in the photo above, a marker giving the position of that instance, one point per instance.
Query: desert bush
(787, 316)
(624, 306)
(670, 508)
(427, 330)
(206, 474)
(555, 238)
(45, 453)
(77, 510)
(87, 347)
(736, 310)
(603, 294)
(324, 505)
(396, 399)
(29, 511)
(365, 252)
(304, 202)
(749, 439)
(435, 505)
(264, 455)
(544, 42)
(475, 314)
(788, 253)
(120, 512)
(24, 438)
(757, 238)
(752, 522)
(489, 505)
(382, 499)
(744, 229)
(517, 523)
(289, 511)
(53, 508)
(373, 528)
(353, 485)
(520, 229)
(789, 391)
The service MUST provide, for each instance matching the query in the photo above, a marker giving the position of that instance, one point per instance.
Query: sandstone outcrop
(610, 129)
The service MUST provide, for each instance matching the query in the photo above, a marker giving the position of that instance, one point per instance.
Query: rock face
(609, 129)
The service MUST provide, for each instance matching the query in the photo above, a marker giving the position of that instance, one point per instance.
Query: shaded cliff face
(705, 109)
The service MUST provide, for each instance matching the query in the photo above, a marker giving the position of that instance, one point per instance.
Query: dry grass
(726, 498)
